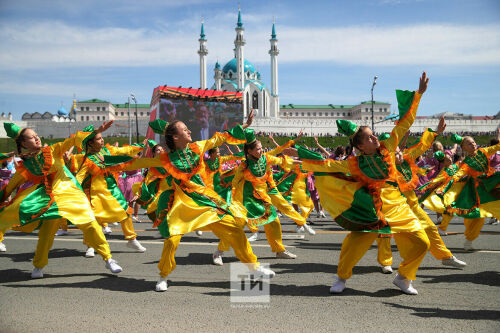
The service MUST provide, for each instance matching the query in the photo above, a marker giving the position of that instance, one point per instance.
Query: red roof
(192, 93)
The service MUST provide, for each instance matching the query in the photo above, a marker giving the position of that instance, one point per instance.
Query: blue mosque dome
(62, 111)
(231, 66)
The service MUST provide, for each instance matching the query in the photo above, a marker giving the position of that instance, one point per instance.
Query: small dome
(231, 66)
(62, 111)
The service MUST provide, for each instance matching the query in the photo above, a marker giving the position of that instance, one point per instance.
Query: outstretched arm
(323, 150)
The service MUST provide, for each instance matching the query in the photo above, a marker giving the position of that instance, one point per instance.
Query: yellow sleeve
(58, 149)
(127, 150)
(136, 163)
(285, 162)
(227, 158)
(403, 125)
(491, 150)
(328, 165)
(238, 177)
(279, 149)
(16, 181)
(423, 145)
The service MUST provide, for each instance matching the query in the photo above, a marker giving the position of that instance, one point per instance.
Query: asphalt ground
(78, 294)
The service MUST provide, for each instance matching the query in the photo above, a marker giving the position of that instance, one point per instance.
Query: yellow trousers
(127, 228)
(92, 232)
(285, 208)
(412, 247)
(226, 230)
(473, 228)
(273, 235)
(384, 255)
(445, 221)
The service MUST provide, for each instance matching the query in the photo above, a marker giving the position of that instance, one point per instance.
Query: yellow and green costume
(51, 194)
(407, 180)
(292, 184)
(366, 197)
(193, 205)
(214, 177)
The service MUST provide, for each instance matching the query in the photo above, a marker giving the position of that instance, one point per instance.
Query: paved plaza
(78, 294)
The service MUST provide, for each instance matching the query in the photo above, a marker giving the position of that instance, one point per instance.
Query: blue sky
(329, 50)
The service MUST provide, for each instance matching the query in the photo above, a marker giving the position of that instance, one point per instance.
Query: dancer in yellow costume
(254, 188)
(154, 184)
(374, 178)
(472, 192)
(441, 184)
(53, 194)
(101, 185)
(407, 181)
(194, 205)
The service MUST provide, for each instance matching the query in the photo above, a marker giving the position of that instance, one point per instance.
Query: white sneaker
(198, 232)
(285, 255)
(322, 214)
(404, 284)
(217, 258)
(3, 248)
(338, 286)
(37, 273)
(90, 253)
(309, 229)
(263, 272)
(136, 219)
(161, 285)
(454, 262)
(386, 269)
(442, 232)
(115, 223)
(254, 237)
(113, 266)
(107, 230)
(280, 215)
(61, 232)
(493, 221)
(468, 245)
(134, 244)
(300, 229)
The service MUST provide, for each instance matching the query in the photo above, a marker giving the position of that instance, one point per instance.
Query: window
(98, 118)
(338, 114)
(366, 109)
(103, 117)
(309, 114)
(82, 118)
(98, 109)
(302, 114)
(147, 113)
(103, 108)
(343, 114)
(314, 114)
(348, 113)
(82, 108)
(87, 118)
(255, 100)
(87, 108)
(296, 114)
(320, 114)
(142, 114)
(122, 114)
(385, 109)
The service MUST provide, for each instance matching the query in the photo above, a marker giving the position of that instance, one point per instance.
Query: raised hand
(441, 126)
(249, 119)
(105, 125)
(424, 81)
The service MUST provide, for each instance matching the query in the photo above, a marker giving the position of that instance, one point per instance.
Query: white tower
(203, 55)
(217, 76)
(274, 72)
(239, 42)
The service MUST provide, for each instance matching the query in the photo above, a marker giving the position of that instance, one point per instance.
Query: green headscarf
(158, 126)
(12, 130)
(455, 138)
(347, 127)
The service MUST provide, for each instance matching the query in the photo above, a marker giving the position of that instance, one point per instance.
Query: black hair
(212, 151)
(355, 141)
(493, 142)
(340, 150)
(170, 131)
(20, 139)
(87, 146)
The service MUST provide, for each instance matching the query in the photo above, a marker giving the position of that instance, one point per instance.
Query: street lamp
(373, 118)
(129, 123)
(136, 119)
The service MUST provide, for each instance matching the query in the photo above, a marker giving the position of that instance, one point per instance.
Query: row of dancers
(372, 194)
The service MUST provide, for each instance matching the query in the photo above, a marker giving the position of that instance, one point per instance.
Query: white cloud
(53, 44)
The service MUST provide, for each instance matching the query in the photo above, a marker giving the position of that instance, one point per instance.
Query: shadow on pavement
(487, 278)
(450, 314)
